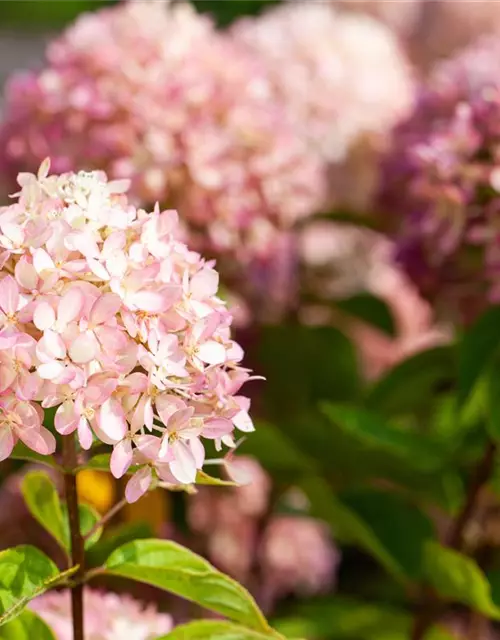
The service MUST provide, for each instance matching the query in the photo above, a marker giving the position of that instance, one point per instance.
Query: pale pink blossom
(432, 30)
(108, 616)
(154, 93)
(346, 82)
(129, 343)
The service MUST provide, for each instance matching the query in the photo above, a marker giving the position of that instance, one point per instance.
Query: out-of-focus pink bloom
(432, 29)
(338, 259)
(114, 321)
(297, 556)
(326, 66)
(441, 183)
(151, 91)
(108, 616)
(274, 555)
(459, 626)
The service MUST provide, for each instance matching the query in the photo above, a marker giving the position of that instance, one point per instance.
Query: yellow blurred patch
(96, 488)
(153, 508)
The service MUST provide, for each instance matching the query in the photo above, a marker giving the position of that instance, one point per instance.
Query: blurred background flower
(440, 192)
(108, 616)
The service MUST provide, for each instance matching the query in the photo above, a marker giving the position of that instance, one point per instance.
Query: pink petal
(9, 295)
(84, 349)
(183, 466)
(112, 420)
(44, 316)
(26, 274)
(7, 442)
(98, 269)
(42, 261)
(212, 353)
(50, 370)
(104, 308)
(198, 451)
(217, 427)
(66, 418)
(70, 306)
(156, 301)
(38, 439)
(167, 405)
(53, 344)
(84, 434)
(148, 446)
(121, 458)
(7, 340)
(138, 484)
(243, 421)
(111, 338)
(179, 420)
(7, 377)
(165, 452)
(204, 284)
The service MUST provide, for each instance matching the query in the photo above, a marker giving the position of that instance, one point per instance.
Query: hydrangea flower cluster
(332, 85)
(105, 315)
(108, 616)
(440, 195)
(151, 91)
(294, 554)
(431, 30)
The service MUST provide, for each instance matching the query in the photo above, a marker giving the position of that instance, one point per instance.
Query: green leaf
(205, 479)
(374, 432)
(459, 579)
(171, 567)
(371, 310)
(214, 630)
(115, 537)
(22, 452)
(27, 626)
(100, 462)
(398, 525)
(42, 499)
(347, 526)
(382, 524)
(276, 452)
(25, 572)
(341, 618)
(493, 403)
(409, 384)
(477, 350)
(324, 365)
(88, 519)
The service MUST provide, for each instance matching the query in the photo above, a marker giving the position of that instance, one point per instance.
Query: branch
(77, 547)
(430, 604)
(106, 518)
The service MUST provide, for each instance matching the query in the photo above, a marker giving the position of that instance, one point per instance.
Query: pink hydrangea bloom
(151, 91)
(440, 195)
(333, 84)
(108, 616)
(432, 29)
(274, 555)
(107, 316)
(298, 557)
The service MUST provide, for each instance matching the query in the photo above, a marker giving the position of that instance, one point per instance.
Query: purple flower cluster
(440, 195)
